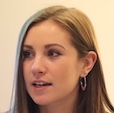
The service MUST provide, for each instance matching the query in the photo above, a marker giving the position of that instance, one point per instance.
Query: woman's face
(51, 66)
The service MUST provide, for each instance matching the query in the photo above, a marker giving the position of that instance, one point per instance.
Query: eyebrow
(50, 45)
(28, 46)
(46, 46)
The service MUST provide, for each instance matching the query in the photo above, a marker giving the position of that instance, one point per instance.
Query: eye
(53, 53)
(27, 54)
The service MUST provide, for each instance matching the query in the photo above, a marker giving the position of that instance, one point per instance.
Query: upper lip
(41, 81)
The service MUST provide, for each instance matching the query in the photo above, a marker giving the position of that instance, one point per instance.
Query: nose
(38, 67)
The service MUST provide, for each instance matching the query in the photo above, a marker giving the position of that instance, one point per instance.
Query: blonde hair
(94, 98)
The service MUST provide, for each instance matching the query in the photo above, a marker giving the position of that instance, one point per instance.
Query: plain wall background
(13, 13)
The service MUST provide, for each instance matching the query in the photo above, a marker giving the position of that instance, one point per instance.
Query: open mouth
(41, 84)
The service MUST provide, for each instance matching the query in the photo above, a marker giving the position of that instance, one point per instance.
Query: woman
(58, 69)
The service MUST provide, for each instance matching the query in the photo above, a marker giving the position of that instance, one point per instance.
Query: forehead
(48, 30)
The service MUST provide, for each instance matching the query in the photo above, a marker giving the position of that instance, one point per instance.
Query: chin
(42, 101)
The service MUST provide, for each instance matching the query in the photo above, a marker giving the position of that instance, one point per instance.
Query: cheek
(65, 71)
(65, 79)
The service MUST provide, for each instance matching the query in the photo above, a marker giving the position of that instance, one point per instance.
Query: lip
(40, 88)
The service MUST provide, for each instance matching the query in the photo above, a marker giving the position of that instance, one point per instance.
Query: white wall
(13, 14)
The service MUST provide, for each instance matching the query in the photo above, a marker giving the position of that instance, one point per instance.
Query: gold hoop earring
(83, 83)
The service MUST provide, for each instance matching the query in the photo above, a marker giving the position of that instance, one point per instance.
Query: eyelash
(51, 53)
(27, 54)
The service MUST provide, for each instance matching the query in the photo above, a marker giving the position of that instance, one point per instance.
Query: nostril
(38, 67)
(40, 72)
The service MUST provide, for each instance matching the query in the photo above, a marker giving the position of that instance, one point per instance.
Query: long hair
(94, 99)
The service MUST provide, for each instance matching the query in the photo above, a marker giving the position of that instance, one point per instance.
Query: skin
(49, 56)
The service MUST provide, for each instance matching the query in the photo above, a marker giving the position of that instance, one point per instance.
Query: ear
(88, 61)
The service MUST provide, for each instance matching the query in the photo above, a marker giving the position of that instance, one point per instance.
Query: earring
(83, 83)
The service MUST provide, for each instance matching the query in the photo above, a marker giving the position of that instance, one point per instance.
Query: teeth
(38, 84)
